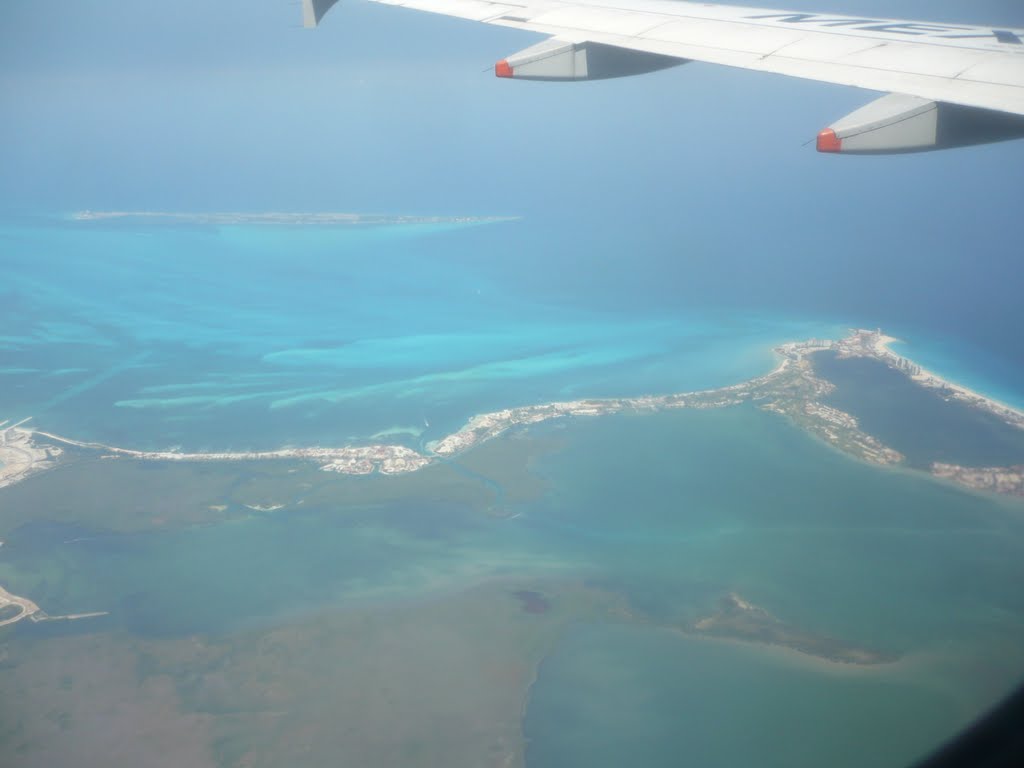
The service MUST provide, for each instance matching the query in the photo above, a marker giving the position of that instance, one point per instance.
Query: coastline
(21, 456)
(932, 380)
(787, 655)
(28, 608)
(741, 621)
(228, 218)
(791, 388)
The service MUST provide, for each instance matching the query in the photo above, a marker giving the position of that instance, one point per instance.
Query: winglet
(314, 10)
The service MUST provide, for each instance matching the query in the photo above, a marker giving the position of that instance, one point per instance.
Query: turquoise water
(254, 336)
(258, 336)
(671, 511)
(623, 695)
(735, 500)
(257, 571)
(678, 510)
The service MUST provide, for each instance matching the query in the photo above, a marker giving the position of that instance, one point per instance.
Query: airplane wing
(946, 85)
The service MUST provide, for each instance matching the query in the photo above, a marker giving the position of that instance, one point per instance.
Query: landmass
(351, 460)
(14, 608)
(460, 643)
(793, 389)
(1004, 480)
(737, 619)
(441, 682)
(21, 456)
(24, 608)
(281, 217)
(876, 344)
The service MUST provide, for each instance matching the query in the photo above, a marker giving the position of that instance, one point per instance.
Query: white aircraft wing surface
(948, 85)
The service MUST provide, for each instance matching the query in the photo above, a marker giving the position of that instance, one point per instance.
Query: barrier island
(794, 389)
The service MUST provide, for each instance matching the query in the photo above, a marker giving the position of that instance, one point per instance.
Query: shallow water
(260, 337)
(670, 512)
(717, 502)
(256, 336)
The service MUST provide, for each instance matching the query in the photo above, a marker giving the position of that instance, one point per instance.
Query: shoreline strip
(791, 388)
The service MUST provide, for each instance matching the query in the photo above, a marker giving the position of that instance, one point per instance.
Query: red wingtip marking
(502, 69)
(829, 142)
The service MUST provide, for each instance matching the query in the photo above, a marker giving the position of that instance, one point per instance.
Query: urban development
(793, 389)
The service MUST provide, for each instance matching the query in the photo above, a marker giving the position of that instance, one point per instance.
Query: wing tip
(828, 142)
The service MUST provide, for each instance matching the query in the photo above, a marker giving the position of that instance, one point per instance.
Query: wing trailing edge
(947, 85)
(560, 60)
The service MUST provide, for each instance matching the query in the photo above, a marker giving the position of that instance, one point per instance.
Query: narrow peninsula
(793, 389)
(280, 218)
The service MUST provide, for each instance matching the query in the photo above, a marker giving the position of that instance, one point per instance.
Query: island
(280, 218)
(737, 619)
(1004, 480)
(24, 456)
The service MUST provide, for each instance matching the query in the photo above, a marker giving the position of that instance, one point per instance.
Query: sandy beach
(28, 608)
(927, 378)
(21, 456)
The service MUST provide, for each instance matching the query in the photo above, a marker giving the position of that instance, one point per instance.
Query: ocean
(216, 337)
(261, 336)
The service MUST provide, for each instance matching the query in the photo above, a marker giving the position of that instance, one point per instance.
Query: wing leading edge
(947, 85)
